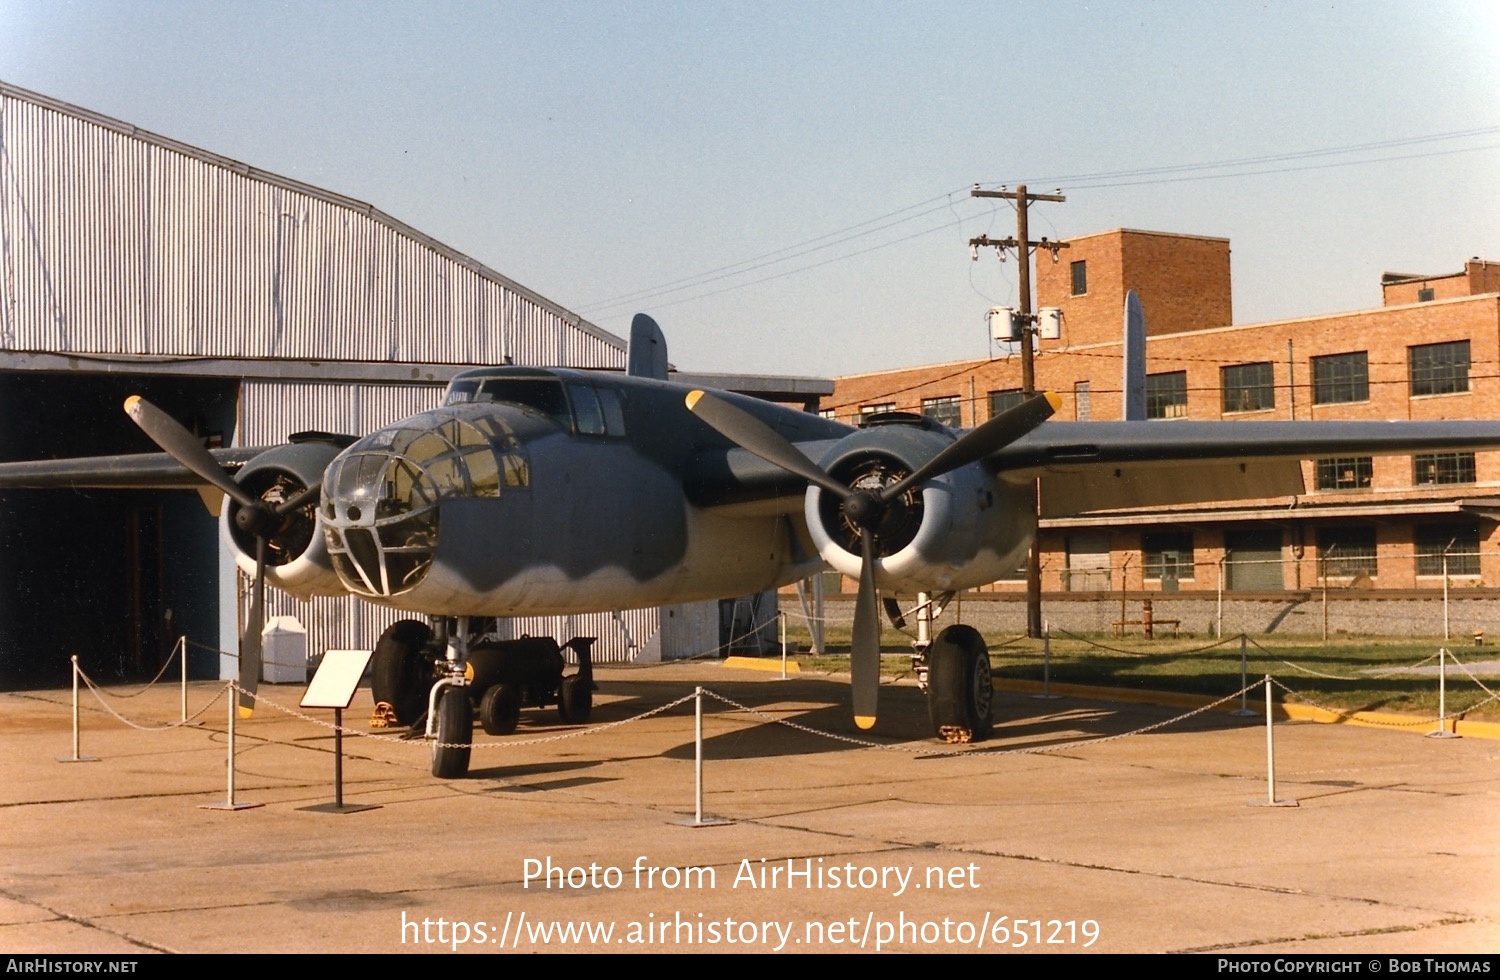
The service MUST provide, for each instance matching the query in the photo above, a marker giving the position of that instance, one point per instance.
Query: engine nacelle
(955, 531)
(296, 558)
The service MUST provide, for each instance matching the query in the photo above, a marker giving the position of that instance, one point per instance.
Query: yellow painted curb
(763, 663)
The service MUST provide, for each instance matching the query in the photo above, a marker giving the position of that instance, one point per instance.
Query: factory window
(1168, 556)
(1081, 407)
(865, 411)
(1003, 401)
(1439, 369)
(1346, 552)
(1345, 473)
(1248, 387)
(1459, 541)
(1442, 468)
(1166, 395)
(1341, 378)
(1080, 272)
(944, 410)
(1426, 295)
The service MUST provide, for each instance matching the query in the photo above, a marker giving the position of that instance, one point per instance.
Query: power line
(1175, 173)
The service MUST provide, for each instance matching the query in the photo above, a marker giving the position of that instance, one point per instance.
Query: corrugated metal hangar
(249, 307)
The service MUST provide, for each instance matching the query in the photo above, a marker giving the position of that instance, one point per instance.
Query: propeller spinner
(864, 509)
(260, 518)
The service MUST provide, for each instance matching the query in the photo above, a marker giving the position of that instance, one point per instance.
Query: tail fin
(647, 356)
(1134, 386)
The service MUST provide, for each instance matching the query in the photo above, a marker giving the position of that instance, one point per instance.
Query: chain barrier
(1347, 713)
(1138, 653)
(99, 692)
(402, 739)
(1470, 675)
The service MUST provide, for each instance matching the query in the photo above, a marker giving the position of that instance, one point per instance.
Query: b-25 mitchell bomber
(551, 491)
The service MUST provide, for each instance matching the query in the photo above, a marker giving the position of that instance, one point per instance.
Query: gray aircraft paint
(1134, 381)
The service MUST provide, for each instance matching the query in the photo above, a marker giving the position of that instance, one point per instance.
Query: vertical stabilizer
(647, 356)
(1134, 386)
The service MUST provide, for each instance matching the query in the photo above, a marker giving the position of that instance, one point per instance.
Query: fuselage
(539, 492)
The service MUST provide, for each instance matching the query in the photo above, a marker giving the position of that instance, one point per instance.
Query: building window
(1248, 387)
(1459, 541)
(1346, 552)
(1081, 408)
(944, 410)
(828, 413)
(1341, 378)
(1166, 395)
(1439, 369)
(1426, 295)
(1168, 556)
(1003, 401)
(1345, 473)
(1080, 272)
(1442, 468)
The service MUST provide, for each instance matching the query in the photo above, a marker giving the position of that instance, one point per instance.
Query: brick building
(1430, 352)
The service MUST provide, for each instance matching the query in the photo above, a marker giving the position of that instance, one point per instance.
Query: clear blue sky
(598, 150)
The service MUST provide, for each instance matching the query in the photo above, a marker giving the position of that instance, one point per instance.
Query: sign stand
(334, 686)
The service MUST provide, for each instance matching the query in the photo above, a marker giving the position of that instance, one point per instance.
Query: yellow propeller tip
(1054, 399)
(131, 403)
(865, 722)
(692, 398)
(244, 713)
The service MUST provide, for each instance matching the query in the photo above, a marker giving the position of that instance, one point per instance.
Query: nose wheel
(455, 730)
(960, 688)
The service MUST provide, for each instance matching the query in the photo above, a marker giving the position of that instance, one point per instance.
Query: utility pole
(1023, 246)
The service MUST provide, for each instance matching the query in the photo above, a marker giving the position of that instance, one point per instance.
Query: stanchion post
(1244, 709)
(1046, 694)
(182, 649)
(699, 820)
(1219, 614)
(1442, 722)
(230, 803)
(77, 736)
(781, 615)
(1271, 799)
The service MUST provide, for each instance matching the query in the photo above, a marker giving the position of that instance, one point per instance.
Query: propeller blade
(864, 656)
(997, 433)
(250, 641)
(183, 446)
(754, 436)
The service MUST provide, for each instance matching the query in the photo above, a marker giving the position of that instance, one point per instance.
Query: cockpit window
(586, 410)
(576, 406)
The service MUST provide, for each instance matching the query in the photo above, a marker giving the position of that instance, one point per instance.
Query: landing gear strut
(446, 672)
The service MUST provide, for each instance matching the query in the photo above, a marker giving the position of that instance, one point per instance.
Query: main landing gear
(954, 672)
(445, 673)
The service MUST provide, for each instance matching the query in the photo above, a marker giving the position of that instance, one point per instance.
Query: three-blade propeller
(865, 508)
(257, 517)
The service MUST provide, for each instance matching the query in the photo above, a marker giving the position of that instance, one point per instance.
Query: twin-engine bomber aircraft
(553, 491)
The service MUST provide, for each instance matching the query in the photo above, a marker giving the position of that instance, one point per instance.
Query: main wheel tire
(500, 710)
(960, 689)
(455, 730)
(575, 700)
(398, 674)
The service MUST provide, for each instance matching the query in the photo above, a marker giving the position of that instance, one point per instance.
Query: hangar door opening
(114, 576)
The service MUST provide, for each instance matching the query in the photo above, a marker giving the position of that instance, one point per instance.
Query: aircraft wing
(136, 471)
(1089, 466)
